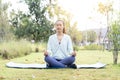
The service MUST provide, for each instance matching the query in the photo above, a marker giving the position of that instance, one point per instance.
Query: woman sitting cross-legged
(59, 53)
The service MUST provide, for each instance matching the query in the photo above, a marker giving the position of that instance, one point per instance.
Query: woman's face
(59, 26)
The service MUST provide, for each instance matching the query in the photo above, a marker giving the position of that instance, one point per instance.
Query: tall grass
(14, 49)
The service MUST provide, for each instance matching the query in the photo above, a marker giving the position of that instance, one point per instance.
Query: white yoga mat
(21, 65)
(96, 65)
(41, 66)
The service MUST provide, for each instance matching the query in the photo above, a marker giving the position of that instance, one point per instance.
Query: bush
(38, 47)
(76, 48)
(93, 47)
(14, 49)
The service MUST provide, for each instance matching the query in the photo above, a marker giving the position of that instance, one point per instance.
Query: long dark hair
(64, 30)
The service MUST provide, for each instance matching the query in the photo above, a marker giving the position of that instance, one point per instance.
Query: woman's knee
(72, 59)
(48, 59)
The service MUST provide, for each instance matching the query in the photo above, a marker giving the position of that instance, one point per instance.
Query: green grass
(110, 72)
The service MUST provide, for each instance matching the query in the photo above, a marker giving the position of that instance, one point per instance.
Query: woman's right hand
(45, 53)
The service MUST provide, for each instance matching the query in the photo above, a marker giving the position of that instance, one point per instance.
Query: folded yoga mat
(41, 66)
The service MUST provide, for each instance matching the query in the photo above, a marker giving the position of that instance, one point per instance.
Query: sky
(84, 11)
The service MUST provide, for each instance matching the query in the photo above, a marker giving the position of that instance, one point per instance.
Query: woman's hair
(64, 31)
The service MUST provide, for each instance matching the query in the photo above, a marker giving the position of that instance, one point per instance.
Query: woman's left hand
(74, 53)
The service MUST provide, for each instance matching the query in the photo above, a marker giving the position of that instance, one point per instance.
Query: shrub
(93, 47)
(76, 48)
(38, 47)
(14, 49)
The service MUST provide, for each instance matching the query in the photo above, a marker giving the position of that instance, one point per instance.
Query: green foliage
(93, 47)
(14, 49)
(114, 35)
(77, 48)
(34, 25)
(89, 36)
(75, 35)
(37, 24)
(88, 47)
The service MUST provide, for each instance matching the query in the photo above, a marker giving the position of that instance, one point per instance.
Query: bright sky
(84, 11)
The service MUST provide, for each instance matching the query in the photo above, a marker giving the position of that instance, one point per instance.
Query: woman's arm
(70, 48)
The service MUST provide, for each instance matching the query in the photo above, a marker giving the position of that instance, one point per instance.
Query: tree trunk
(115, 56)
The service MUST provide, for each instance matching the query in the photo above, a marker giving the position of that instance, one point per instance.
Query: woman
(60, 52)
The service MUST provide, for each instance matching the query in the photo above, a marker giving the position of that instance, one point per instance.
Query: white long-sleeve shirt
(62, 50)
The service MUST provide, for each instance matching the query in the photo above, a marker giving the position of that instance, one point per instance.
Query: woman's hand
(74, 53)
(45, 53)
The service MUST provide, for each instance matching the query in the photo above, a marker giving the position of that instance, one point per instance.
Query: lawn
(110, 72)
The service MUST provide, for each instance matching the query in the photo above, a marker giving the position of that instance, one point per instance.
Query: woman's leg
(68, 61)
(53, 62)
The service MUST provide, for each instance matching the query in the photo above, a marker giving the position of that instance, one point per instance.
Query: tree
(106, 9)
(89, 36)
(113, 30)
(71, 29)
(114, 36)
(21, 24)
(35, 24)
(5, 33)
(75, 35)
